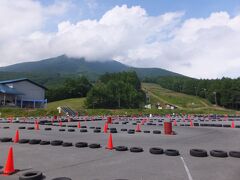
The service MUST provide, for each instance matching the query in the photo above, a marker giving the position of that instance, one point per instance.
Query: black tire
(31, 175)
(6, 139)
(5, 127)
(30, 128)
(156, 150)
(44, 143)
(81, 144)
(131, 131)
(121, 148)
(34, 141)
(56, 143)
(123, 129)
(156, 132)
(94, 146)
(23, 141)
(71, 130)
(171, 152)
(83, 127)
(146, 132)
(96, 130)
(113, 131)
(198, 153)
(235, 154)
(218, 153)
(67, 144)
(92, 127)
(83, 130)
(21, 127)
(62, 178)
(61, 129)
(136, 149)
(48, 129)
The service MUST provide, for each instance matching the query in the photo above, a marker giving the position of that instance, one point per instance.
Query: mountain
(49, 70)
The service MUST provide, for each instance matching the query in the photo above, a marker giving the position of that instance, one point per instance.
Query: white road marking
(187, 170)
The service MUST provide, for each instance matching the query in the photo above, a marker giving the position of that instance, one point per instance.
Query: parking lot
(103, 164)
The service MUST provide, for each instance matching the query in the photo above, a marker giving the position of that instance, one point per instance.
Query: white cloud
(198, 47)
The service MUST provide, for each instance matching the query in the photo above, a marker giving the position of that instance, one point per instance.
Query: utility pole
(205, 92)
(195, 90)
(215, 93)
(119, 101)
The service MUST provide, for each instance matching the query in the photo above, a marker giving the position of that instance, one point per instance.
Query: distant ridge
(63, 65)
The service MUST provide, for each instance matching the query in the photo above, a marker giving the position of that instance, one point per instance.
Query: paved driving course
(103, 164)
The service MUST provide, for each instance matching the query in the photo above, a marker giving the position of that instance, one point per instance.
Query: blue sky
(197, 38)
(191, 8)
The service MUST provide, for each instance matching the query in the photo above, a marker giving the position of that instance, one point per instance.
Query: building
(23, 93)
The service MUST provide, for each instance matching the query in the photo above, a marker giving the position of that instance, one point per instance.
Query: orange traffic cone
(110, 143)
(175, 123)
(79, 125)
(9, 166)
(60, 123)
(138, 129)
(16, 140)
(36, 125)
(191, 123)
(105, 128)
(233, 124)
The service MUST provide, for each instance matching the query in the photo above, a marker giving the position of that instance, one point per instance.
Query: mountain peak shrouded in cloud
(204, 47)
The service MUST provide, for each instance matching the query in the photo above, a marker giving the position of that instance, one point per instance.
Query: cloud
(197, 47)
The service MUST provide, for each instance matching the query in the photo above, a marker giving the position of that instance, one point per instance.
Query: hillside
(182, 101)
(157, 94)
(54, 70)
(74, 103)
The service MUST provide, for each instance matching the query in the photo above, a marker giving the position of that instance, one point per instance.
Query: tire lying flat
(34, 141)
(94, 146)
(81, 144)
(23, 141)
(235, 154)
(136, 149)
(56, 143)
(198, 153)
(219, 153)
(31, 175)
(44, 143)
(156, 150)
(121, 148)
(6, 139)
(171, 152)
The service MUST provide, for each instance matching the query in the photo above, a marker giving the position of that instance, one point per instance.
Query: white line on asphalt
(187, 170)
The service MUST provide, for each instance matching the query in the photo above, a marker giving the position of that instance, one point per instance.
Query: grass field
(163, 96)
(185, 103)
(75, 103)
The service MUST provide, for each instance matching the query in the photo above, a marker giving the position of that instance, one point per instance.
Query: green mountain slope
(53, 70)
